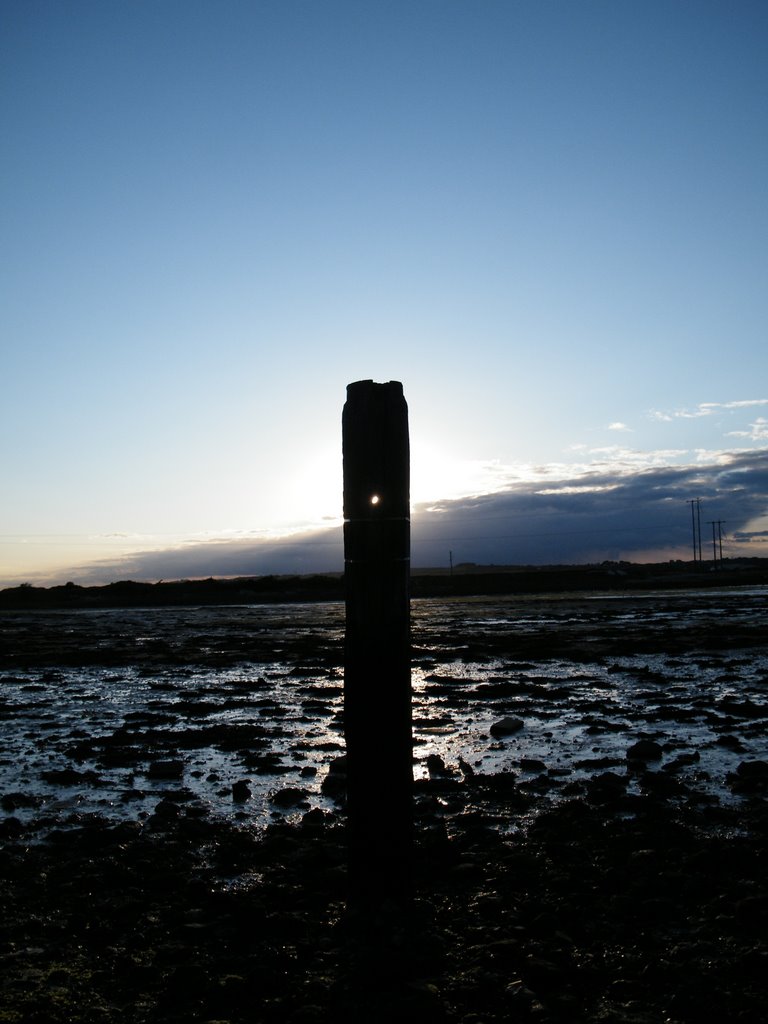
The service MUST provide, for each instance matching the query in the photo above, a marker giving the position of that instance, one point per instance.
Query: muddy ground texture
(641, 904)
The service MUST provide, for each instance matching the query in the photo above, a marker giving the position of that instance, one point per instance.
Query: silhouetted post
(377, 672)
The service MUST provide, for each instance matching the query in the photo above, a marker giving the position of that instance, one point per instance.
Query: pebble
(241, 790)
(507, 726)
(167, 769)
(644, 750)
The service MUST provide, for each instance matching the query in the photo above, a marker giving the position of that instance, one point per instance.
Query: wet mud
(590, 798)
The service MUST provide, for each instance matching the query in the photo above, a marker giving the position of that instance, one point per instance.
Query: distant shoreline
(464, 581)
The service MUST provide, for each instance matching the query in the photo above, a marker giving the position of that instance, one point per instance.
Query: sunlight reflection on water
(119, 738)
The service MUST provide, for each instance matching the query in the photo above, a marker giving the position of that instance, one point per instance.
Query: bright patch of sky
(547, 219)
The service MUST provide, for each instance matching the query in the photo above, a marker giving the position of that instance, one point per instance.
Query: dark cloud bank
(641, 516)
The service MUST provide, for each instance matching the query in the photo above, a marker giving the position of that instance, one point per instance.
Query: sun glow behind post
(437, 476)
(313, 493)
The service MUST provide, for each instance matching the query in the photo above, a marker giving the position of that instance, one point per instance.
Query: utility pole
(377, 671)
(714, 544)
(719, 524)
(450, 560)
(695, 504)
(698, 525)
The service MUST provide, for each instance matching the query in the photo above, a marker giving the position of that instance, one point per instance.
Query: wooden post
(377, 673)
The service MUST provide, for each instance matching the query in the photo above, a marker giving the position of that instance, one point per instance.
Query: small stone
(605, 789)
(289, 797)
(731, 742)
(644, 750)
(166, 810)
(316, 818)
(11, 828)
(170, 769)
(335, 782)
(436, 766)
(507, 727)
(660, 785)
(241, 790)
(132, 794)
(609, 781)
(68, 777)
(753, 770)
(682, 761)
(12, 801)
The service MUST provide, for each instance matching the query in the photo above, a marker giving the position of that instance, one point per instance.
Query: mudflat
(591, 775)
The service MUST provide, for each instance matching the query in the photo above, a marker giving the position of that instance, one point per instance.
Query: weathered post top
(376, 451)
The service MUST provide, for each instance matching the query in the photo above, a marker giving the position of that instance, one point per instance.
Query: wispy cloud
(758, 430)
(619, 427)
(704, 409)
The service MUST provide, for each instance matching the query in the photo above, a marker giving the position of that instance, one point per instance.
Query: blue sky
(547, 219)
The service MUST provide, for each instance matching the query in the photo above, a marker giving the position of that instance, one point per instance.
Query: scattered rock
(132, 794)
(731, 743)
(681, 761)
(168, 769)
(241, 790)
(290, 797)
(335, 782)
(13, 801)
(753, 770)
(166, 810)
(751, 777)
(507, 727)
(11, 828)
(69, 777)
(437, 767)
(644, 750)
(316, 818)
(660, 784)
(742, 708)
(606, 788)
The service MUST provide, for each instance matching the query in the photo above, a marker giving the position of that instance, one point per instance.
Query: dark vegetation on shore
(465, 581)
